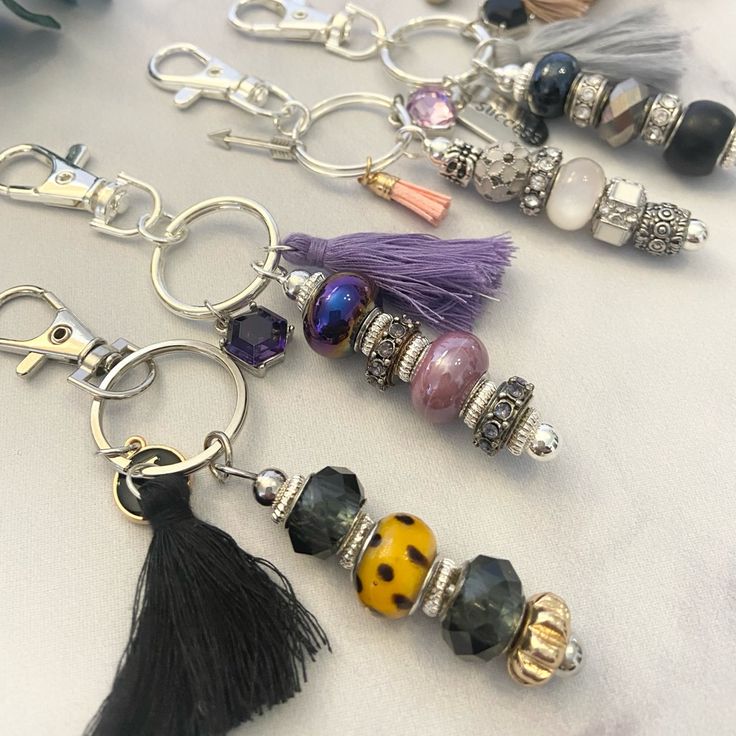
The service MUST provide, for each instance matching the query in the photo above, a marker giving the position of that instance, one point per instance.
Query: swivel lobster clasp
(298, 21)
(68, 340)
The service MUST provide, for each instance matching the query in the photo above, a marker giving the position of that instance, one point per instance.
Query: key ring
(242, 298)
(142, 355)
(332, 104)
(474, 31)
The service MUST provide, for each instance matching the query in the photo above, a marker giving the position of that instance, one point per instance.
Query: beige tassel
(552, 10)
(426, 203)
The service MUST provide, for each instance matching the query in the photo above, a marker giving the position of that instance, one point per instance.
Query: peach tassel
(552, 10)
(430, 205)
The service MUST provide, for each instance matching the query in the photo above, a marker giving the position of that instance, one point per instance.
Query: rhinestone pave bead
(663, 115)
(619, 212)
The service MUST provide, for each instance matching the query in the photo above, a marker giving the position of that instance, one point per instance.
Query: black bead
(700, 138)
(531, 129)
(487, 610)
(551, 83)
(324, 512)
(508, 14)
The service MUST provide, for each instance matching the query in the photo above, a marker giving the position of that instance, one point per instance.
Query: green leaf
(40, 20)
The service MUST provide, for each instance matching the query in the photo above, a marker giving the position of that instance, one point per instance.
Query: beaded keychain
(574, 195)
(218, 635)
(443, 282)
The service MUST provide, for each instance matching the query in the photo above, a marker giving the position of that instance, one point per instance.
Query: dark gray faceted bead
(325, 511)
(487, 611)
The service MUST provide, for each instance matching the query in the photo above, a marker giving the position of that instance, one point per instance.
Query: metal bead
(501, 171)
(662, 119)
(388, 346)
(697, 235)
(573, 660)
(435, 148)
(619, 212)
(502, 415)
(542, 641)
(522, 81)
(663, 229)
(477, 402)
(355, 539)
(545, 444)
(586, 100)
(366, 342)
(267, 484)
(440, 587)
(294, 283)
(457, 163)
(411, 357)
(309, 287)
(545, 165)
(286, 498)
(524, 433)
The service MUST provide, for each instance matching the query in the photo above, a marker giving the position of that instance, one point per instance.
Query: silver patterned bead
(411, 356)
(524, 433)
(307, 290)
(586, 100)
(663, 116)
(728, 157)
(352, 544)
(477, 401)
(286, 498)
(440, 587)
(623, 116)
(522, 81)
(663, 229)
(619, 212)
(457, 162)
(545, 165)
(366, 339)
(501, 171)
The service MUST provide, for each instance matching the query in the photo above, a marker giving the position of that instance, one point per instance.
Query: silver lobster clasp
(68, 340)
(297, 21)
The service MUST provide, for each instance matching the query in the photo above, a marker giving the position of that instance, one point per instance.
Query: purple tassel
(442, 282)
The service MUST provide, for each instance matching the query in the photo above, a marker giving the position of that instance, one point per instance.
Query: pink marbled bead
(451, 367)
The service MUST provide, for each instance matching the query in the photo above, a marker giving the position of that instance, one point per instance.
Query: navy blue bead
(551, 83)
(507, 14)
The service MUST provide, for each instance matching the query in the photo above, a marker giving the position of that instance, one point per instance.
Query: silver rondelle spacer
(586, 99)
(307, 290)
(522, 81)
(524, 433)
(377, 327)
(662, 119)
(364, 325)
(728, 158)
(477, 401)
(440, 588)
(411, 357)
(352, 543)
(286, 498)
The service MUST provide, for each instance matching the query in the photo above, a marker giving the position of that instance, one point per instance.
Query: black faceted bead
(507, 14)
(486, 612)
(325, 511)
(700, 139)
(551, 83)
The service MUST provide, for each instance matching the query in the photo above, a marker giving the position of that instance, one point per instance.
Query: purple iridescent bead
(336, 311)
(450, 368)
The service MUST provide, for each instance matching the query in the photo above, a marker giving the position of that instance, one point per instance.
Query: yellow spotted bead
(390, 573)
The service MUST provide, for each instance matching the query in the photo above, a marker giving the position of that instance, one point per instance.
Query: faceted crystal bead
(508, 14)
(624, 114)
(487, 610)
(325, 511)
(257, 336)
(432, 108)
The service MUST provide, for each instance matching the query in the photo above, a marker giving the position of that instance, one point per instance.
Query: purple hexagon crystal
(432, 108)
(256, 337)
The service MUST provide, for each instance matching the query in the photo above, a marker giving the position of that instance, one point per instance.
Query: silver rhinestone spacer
(377, 327)
(522, 81)
(728, 159)
(662, 118)
(586, 99)
(286, 498)
(441, 586)
(524, 433)
(352, 543)
(411, 357)
(477, 401)
(308, 288)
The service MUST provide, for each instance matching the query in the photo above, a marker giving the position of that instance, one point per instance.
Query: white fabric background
(633, 358)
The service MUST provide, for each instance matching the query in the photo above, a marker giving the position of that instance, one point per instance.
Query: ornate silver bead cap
(352, 544)
(522, 81)
(411, 357)
(619, 212)
(586, 100)
(545, 165)
(442, 582)
(660, 123)
(663, 229)
(286, 498)
(458, 162)
(307, 290)
(477, 402)
(524, 433)
(375, 324)
(728, 159)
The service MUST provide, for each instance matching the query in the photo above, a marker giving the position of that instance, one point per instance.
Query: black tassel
(217, 637)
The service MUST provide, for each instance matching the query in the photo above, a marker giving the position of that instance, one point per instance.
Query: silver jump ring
(331, 104)
(135, 472)
(204, 458)
(120, 450)
(148, 221)
(476, 31)
(226, 447)
(303, 122)
(242, 298)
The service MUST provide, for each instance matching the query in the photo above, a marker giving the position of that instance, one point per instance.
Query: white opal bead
(576, 191)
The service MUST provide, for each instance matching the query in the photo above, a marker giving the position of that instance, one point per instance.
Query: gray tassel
(639, 43)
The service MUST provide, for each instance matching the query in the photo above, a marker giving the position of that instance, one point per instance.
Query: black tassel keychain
(218, 635)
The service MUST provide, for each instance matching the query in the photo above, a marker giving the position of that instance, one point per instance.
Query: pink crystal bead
(432, 107)
(450, 368)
